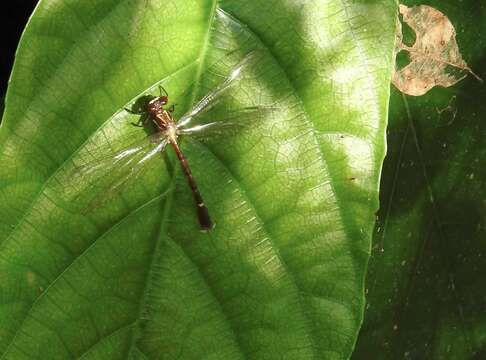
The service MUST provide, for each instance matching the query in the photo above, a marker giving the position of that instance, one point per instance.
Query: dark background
(14, 17)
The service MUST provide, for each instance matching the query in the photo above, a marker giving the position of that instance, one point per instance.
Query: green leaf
(426, 296)
(293, 197)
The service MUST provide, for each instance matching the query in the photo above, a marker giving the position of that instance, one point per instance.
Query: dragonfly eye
(164, 100)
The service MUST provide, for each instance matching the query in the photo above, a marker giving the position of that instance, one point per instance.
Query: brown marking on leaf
(435, 59)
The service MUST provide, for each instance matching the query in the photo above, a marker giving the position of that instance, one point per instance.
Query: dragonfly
(155, 110)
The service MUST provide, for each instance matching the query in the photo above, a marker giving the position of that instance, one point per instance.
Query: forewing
(217, 93)
(227, 123)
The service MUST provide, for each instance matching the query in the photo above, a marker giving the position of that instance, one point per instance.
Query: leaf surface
(293, 197)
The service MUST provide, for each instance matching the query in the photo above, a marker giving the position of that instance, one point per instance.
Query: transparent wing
(100, 173)
(228, 123)
(216, 94)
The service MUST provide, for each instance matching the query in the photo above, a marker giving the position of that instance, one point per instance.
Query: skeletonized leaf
(435, 59)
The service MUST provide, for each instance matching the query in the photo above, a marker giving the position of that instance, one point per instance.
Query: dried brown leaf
(435, 59)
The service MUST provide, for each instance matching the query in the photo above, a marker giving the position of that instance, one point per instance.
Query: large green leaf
(426, 293)
(293, 198)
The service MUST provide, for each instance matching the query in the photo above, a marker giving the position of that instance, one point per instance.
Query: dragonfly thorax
(163, 120)
(171, 133)
(156, 105)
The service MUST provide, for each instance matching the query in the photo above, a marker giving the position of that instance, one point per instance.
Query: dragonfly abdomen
(202, 210)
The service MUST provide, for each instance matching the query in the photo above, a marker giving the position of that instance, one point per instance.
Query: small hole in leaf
(402, 59)
(408, 34)
(454, 71)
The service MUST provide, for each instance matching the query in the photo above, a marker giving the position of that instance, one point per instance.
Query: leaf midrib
(163, 226)
(153, 262)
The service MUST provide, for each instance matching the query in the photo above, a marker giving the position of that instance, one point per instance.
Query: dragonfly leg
(171, 108)
(128, 110)
(142, 121)
(163, 91)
